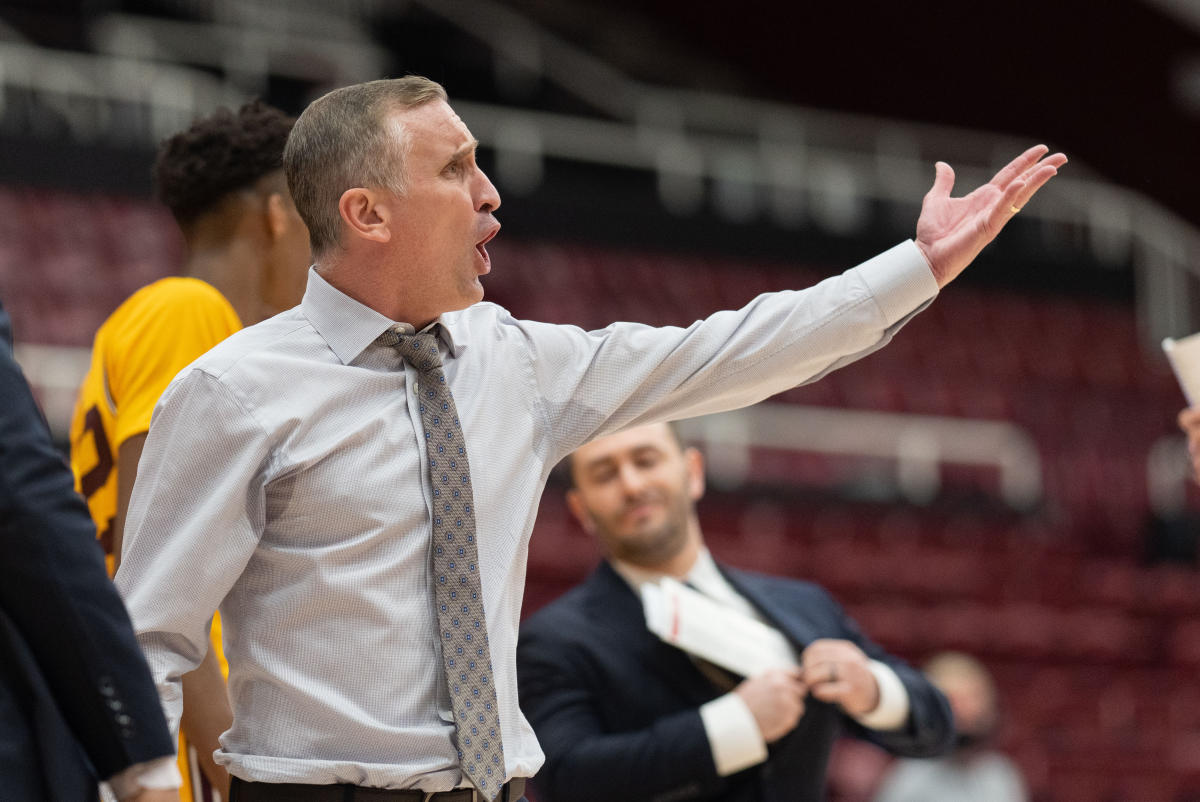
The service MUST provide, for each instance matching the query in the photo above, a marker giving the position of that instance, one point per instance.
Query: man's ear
(694, 461)
(366, 214)
(579, 510)
(277, 214)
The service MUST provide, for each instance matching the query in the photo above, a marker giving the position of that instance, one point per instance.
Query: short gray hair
(341, 141)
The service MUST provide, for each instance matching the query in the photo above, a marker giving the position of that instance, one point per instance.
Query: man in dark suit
(623, 715)
(77, 704)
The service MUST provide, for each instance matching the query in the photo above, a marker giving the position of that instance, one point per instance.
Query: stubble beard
(657, 546)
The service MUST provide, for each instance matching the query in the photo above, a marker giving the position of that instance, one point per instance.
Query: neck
(388, 292)
(233, 268)
(228, 248)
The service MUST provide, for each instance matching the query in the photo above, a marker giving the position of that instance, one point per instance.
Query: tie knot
(419, 350)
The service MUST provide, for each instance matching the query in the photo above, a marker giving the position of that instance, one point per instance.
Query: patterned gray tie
(466, 658)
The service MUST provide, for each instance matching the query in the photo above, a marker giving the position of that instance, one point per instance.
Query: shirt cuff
(733, 734)
(892, 711)
(162, 772)
(900, 280)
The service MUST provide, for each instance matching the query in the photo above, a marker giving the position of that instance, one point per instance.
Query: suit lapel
(789, 619)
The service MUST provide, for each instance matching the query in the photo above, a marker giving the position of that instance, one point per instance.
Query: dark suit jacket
(617, 710)
(76, 699)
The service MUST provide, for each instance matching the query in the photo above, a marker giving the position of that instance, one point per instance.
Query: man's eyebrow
(461, 153)
(598, 462)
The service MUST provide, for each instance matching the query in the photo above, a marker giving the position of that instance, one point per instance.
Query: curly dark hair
(218, 154)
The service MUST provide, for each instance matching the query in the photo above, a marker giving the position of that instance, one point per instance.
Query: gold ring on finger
(1014, 209)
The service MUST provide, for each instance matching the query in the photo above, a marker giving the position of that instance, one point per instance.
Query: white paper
(707, 629)
(1184, 356)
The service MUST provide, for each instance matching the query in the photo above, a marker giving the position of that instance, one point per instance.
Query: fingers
(1006, 206)
(1035, 179)
(832, 692)
(792, 679)
(1019, 192)
(1019, 165)
(943, 181)
(826, 650)
(825, 672)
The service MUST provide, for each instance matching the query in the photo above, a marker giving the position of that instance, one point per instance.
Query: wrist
(927, 252)
(158, 774)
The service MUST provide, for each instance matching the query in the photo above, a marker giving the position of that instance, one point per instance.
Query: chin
(473, 295)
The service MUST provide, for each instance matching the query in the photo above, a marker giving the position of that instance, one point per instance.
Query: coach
(354, 481)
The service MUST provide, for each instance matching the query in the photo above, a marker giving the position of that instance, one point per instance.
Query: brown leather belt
(242, 791)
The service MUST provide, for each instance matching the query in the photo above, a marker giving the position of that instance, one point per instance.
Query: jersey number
(94, 479)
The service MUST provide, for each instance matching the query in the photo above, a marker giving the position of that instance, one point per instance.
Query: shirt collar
(702, 573)
(349, 326)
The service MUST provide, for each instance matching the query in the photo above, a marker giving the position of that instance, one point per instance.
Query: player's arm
(207, 714)
(128, 455)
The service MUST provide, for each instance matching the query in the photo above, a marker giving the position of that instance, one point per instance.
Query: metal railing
(745, 157)
(916, 446)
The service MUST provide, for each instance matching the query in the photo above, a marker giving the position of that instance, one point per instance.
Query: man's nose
(632, 480)
(488, 197)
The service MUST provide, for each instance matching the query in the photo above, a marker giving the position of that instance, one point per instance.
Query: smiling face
(636, 491)
(441, 223)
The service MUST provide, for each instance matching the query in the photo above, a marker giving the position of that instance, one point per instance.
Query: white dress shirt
(283, 479)
(733, 734)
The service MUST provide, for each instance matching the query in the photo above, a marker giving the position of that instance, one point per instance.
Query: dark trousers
(242, 791)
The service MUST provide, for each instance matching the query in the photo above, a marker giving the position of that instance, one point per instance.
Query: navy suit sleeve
(929, 730)
(54, 588)
(562, 695)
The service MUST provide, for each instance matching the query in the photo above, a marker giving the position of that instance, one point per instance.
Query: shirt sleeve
(160, 773)
(593, 383)
(892, 711)
(733, 734)
(193, 525)
(160, 341)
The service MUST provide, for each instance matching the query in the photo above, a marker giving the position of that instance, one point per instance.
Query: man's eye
(453, 168)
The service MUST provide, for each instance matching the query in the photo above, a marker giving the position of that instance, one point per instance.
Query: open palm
(952, 231)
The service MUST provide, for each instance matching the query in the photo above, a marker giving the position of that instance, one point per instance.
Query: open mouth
(481, 246)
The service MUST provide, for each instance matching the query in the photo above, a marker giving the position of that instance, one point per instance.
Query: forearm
(595, 382)
(206, 715)
(129, 453)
